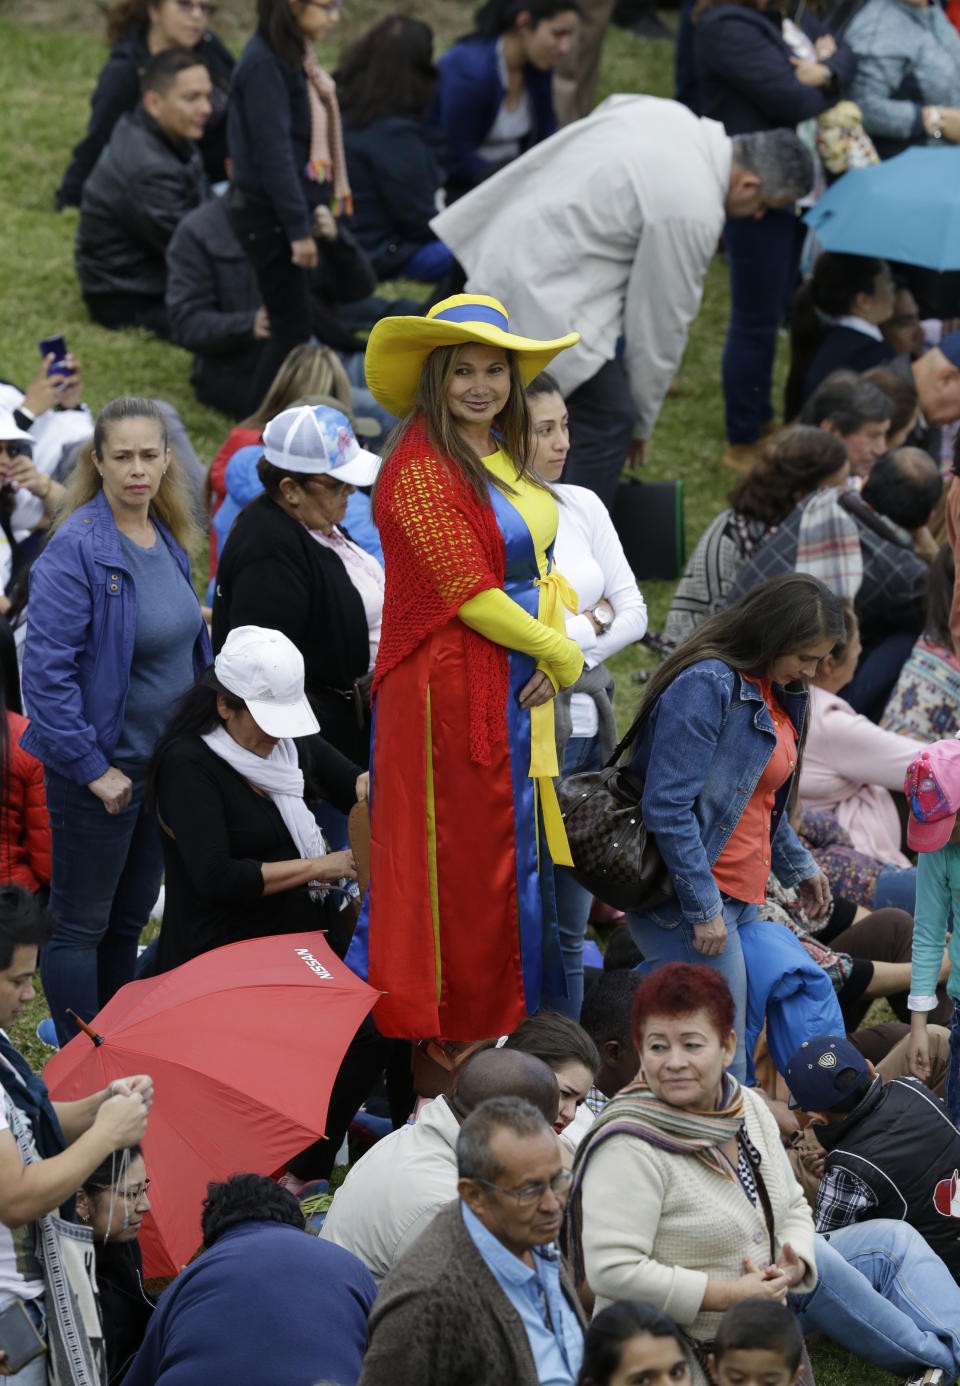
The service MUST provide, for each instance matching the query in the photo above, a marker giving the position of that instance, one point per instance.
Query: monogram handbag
(614, 857)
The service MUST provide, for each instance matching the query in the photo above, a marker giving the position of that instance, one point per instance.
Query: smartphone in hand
(56, 344)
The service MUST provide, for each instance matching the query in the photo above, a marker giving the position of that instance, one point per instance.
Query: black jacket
(901, 1143)
(744, 72)
(213, 297)
(217, 831)
(125, 1306)
(395, 173)
(141, 188)
(118, 91)
(268, 137)
(273, 573)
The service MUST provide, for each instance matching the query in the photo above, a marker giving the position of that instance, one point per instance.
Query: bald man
(393, 1193)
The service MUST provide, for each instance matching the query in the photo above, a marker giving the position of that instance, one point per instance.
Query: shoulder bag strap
(762, 1194)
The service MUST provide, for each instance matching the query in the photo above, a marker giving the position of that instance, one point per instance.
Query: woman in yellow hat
(459, 927)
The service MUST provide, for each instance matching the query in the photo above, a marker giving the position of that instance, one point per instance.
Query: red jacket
(24, 822)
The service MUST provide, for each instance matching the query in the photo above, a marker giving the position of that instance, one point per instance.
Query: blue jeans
(953, 1073)
(896, 887)
(363, 401)
(107, 870)
(886, 1295)
(662, 944)
(430, 263)
(763, 257)
(35, 1372)
(573, 902)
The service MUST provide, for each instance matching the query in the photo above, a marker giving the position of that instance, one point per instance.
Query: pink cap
(932, 787)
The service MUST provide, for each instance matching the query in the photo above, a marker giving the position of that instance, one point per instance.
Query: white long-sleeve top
(590, 556)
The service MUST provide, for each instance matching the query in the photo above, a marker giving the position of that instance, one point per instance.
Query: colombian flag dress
(459, 926)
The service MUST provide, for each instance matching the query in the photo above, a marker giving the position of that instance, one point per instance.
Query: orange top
(742, 868)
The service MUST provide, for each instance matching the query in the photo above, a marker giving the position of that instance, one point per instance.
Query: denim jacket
(81, 627)
(701, 753)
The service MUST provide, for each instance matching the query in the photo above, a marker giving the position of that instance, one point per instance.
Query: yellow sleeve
(494, 615)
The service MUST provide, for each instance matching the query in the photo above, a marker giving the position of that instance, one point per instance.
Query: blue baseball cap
(816, 1069)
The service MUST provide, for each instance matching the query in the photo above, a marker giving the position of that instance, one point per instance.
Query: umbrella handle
(82, 1025)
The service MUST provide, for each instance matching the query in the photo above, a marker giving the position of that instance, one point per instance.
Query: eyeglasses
(331, 485)
(526, 1197)
(205, 7)
(15, 449)
(131, 1196)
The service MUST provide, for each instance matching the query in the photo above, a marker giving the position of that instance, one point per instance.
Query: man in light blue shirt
(512, 1207)
(482, 1296)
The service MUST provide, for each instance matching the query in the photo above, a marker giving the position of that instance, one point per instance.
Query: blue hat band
(474, 312)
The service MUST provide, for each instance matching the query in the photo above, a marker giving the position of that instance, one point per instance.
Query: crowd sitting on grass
(666, 1152)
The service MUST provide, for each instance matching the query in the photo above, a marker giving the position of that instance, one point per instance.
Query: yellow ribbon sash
(555, 593)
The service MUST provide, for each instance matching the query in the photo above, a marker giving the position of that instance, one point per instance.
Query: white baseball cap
(265, 669)
(319, 441)
(10, 430)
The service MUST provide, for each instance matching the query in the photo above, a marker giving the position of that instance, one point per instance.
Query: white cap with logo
(265, 669)
(316, 440)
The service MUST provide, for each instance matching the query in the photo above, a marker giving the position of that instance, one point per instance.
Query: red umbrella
(243, 1044)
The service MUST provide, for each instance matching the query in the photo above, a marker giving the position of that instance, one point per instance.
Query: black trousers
(284, 288)
(602, 419)
(129, 310)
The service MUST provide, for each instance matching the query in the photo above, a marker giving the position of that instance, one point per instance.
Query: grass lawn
(50, 54)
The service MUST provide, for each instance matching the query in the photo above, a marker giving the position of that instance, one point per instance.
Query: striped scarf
(636, 1112)
(328, 162)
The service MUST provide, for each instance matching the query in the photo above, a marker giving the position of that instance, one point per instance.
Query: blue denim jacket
(701, 754)
(81, 626)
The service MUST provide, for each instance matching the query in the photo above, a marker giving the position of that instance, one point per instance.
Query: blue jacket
(745, 76)
(468, 97)
(81, 626)
(701, 753)
(267, 1304)
(268, 139)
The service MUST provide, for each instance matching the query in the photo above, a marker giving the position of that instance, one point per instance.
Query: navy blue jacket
(118, 91)
(745, 76)
(395, 172)
(468, 97)
(268, 137)
(844, 348)
(267, 1304)
(82, 626)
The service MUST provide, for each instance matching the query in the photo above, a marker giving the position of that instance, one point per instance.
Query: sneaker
(925, 1376)
(47, 1034)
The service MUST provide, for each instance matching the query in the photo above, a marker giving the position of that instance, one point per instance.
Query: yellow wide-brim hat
(398, 347)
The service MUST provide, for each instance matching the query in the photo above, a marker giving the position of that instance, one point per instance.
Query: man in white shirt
(393, 1193)
(608, 228)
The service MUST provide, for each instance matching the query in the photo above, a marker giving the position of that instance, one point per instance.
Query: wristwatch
(601, 614)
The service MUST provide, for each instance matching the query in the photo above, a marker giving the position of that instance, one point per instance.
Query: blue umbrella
(905, 209)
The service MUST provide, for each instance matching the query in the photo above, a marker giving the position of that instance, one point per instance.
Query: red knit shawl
(441, 547)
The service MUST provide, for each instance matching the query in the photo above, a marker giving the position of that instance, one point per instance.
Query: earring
(84, 1217)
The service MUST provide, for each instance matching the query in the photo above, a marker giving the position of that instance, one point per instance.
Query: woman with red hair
(716, 1215)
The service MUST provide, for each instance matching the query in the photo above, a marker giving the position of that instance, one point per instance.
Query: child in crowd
(758, 1343)
(628, 1343)
(932, 787)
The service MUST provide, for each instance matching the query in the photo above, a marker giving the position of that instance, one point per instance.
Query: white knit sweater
(657, 1226)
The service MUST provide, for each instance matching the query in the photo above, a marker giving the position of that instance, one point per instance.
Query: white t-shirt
(20, 1272)
(504, 140)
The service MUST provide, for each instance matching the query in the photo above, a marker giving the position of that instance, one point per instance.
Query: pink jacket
(849, 767)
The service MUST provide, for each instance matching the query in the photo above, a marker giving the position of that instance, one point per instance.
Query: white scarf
(279, 776)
